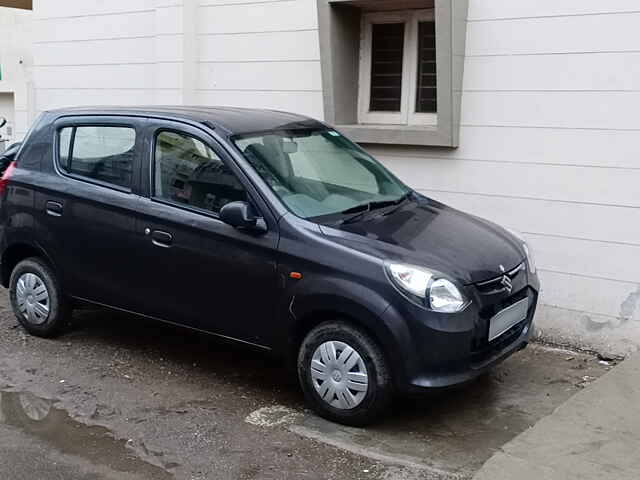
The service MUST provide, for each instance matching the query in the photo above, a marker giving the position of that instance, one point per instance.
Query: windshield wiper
(365, 208)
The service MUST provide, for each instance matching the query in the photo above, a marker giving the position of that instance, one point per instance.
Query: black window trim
(81, 178)
(190, 208)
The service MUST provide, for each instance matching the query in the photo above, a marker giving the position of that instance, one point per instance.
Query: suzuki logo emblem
(506, 283)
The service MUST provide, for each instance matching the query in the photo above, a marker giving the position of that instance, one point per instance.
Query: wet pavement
(51, 430)
(119, 397)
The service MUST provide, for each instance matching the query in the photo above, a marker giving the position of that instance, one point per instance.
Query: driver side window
(188, 172)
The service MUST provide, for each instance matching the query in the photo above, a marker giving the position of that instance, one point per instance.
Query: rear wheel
(36, 298)
(344, 374)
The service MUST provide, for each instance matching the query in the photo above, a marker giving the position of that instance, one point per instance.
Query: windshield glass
(318, 172)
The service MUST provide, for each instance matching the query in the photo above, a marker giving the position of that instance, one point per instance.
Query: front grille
(499, 284)
(492, 297)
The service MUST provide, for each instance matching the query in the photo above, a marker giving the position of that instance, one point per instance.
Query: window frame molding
(407, 115)
(365, 115)
(340, 34)
(419, 118)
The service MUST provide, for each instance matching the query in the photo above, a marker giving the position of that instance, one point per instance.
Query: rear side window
(101, 153)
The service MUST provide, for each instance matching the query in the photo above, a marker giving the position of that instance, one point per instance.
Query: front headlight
(527, 250)
(426, 288)
(444, 296)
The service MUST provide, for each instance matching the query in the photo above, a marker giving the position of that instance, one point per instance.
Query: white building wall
(212, 52)
(107, 52)
(550, 125)
(16, 62)
(260, 54)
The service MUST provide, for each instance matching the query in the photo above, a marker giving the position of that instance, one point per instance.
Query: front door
(194, 268)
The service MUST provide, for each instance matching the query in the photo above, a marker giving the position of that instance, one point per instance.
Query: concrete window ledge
(396, 135)
(339, 23)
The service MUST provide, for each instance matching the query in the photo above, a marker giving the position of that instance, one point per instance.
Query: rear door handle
(161, 239)
(54, 208)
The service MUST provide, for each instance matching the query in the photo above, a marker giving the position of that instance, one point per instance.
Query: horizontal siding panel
(168, 20)
(166, 97)
(281, 46)
(95, 52)
(589, 295)
(49, 99)
(110, 76)
(57, 9)
(571, 72)
(497, 9)
(258, 17)
(305, 103)
(605, 148)
(95, 27)
(168, 49)
(600, 110)
(593, 259)
(589, 222)
(566, 183)
(595, 33)
(256, 75)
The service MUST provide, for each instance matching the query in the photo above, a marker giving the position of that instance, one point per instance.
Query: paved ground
(593, 436)
(122, 398)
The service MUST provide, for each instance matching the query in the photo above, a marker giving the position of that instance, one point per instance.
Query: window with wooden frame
(398, 74)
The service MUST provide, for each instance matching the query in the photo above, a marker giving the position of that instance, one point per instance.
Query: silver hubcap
(32, 297)
(339, 376)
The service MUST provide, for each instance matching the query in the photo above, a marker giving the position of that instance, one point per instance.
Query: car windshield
(318, 172)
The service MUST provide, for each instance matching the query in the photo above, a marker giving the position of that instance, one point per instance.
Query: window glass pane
(387, 50)
(337, 169)
(318, 172)
(64, 140)
(189, 172)
(101, 153)
(426, 96)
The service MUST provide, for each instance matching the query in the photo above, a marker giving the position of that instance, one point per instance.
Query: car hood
(427, 233)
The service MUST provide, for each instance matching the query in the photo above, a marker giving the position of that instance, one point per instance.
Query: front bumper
(443, 350)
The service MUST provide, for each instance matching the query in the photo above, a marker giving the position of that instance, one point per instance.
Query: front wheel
(344, 374)
(36, 298)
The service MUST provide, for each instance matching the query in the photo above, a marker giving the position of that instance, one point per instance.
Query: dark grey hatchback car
(266, 228)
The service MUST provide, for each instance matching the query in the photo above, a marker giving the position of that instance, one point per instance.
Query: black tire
(59, 309)
(379, 391)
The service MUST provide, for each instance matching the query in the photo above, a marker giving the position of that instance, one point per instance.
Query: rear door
(193, 268)
(87, 202)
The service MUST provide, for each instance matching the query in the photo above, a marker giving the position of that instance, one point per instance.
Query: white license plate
(507, 318)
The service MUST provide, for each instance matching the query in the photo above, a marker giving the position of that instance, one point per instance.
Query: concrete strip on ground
(594, 435)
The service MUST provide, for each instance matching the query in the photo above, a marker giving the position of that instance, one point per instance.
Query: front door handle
(53, 208)
(161, 239)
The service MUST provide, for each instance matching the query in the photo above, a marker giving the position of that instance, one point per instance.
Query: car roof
(231, 120)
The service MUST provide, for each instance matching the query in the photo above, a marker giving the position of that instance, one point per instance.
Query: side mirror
(241, 215)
